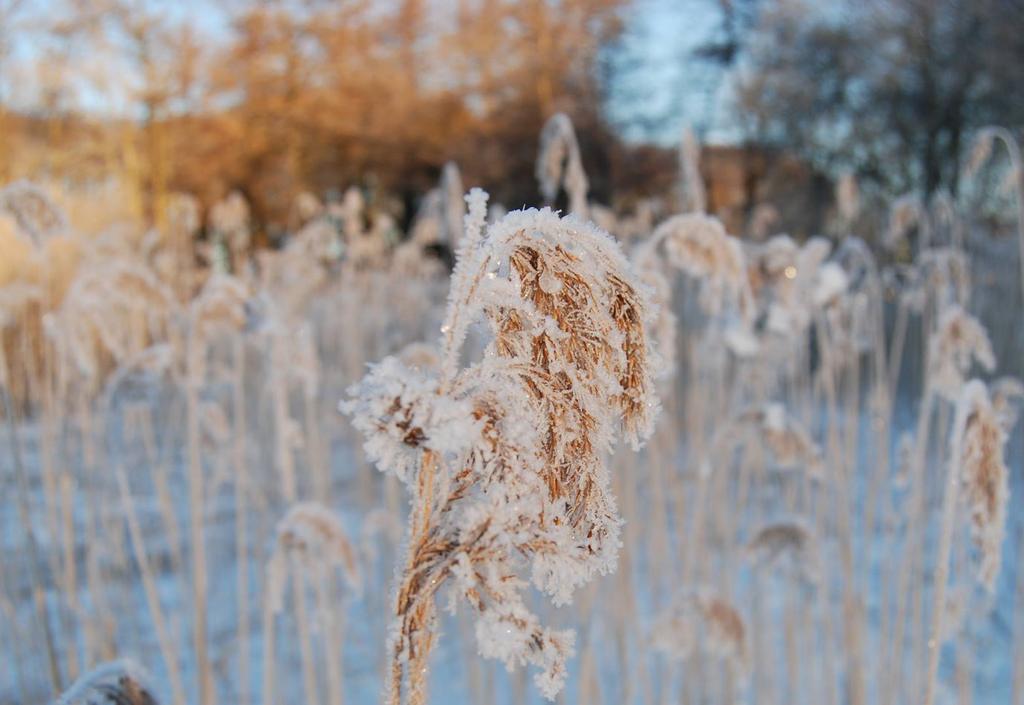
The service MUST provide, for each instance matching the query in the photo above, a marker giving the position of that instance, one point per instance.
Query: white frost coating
(505, 457)
(559, 164)
(111, 683)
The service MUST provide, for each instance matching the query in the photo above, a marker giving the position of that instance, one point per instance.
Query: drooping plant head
(701, 623)
(559, 164)
(313, 539)
(698, 245)
(38, 218)
(977, 442)
(112, 309)
(506, 455)
(959, 341)
(120, 682)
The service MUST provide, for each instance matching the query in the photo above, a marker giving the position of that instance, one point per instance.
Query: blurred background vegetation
(116, 104)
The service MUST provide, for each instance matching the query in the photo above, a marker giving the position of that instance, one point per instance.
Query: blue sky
(669, 86)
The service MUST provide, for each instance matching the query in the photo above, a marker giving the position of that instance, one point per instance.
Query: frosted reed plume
(945, 274)
(313, 538)
(1007, 398)
(789, 442)
(454, 204)
(786, 280)
(38, 218)
(978, 469)
(504, 456)
(982, 149)
(703, 623)
(110, 311)
(115, 683)
(698, 245)
(906, 214)
(220, 306)
(976, 446)
(439, 218)
(788, 545)
(559, 164)
(959, 341)
(848, 198)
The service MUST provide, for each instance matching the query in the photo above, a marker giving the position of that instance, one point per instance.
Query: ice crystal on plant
(505, 456)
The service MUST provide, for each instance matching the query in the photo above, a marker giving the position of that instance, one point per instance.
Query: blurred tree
(294, 95)
(888, 89)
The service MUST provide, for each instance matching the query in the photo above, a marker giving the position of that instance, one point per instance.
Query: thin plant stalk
(241, 523)
(197, 512)
(301, 609)
(949, 504)
(149, 586)
(35, 559)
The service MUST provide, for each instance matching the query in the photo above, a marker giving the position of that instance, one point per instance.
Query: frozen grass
(815, 519)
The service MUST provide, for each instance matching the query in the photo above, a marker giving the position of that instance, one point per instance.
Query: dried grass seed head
(959, 341)
(977, 443)
(787, 545)
(701, 622)
(313, 538)
(514, 444)
(38, 217)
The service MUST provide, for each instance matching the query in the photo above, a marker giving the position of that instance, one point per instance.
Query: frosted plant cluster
(505, 456)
